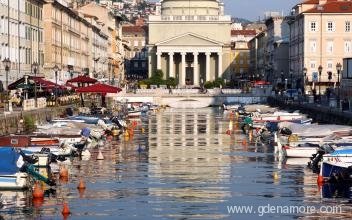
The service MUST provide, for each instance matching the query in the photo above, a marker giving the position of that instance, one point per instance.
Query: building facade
(109, 22)
(240, 53)
(257, 54)
(320, 34)
(277, 50)
(136, 55)
(189, 40)
(21, 37)
(67, 41)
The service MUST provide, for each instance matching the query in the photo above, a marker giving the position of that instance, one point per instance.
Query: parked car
(291, 94)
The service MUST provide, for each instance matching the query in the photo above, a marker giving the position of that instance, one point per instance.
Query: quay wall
(217, 100)
(12, 123)
(319, 113)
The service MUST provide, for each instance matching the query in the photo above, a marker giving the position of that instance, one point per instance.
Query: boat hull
(16, 181)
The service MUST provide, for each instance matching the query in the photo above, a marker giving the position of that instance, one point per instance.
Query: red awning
(39, 81)
(261, 82)
(99, 88)
(82, 79)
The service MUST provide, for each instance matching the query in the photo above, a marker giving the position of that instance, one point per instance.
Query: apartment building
(240, 53)
(277, 50)
(257, 55)
(21, 37)
(110, 21)
(136, 57)
(320, 35)
(67, 39)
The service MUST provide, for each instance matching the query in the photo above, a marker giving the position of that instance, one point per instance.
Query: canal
(180, 164)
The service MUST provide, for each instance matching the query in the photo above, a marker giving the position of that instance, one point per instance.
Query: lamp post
(338, 68)
(56, 69)
(35, 69)
(7, 64)
(304, 79)
(320, 69)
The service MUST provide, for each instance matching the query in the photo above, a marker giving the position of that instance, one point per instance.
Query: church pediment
(189, 39)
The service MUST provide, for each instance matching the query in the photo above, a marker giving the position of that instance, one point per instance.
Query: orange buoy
(38, 192)
(81, 184)
(63, 172)
(244, 142)
(134, 123)
(65, 210)
(320, 180)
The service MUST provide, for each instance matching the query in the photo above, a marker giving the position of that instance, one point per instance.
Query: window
(330, 47)
(313, 26)
(143, 64)
(135, 64)
(348, 47)
(136, 43)
(347, 26)
(330, 26)
(329, 65)
(313, 64)
(313, 46)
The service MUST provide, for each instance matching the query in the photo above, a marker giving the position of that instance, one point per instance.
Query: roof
(133, 29)
(333, 6)
(243, 32)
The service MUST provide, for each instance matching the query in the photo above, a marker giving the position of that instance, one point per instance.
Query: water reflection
(179, 165)
(185, 153)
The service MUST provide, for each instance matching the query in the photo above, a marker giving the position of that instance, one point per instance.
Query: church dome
(190, 7)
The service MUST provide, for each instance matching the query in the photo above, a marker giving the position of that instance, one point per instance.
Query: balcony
(199, 18)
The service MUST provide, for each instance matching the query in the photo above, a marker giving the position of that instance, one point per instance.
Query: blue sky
(252, 9)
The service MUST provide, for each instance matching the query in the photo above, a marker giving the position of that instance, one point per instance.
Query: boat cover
(8, 161)
(314, 130)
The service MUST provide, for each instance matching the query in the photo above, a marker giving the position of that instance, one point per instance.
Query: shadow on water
(182, 165)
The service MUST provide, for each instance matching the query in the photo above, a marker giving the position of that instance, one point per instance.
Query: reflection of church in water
(189, 147)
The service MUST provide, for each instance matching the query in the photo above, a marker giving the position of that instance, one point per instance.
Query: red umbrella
(82, 79)
(99, 88)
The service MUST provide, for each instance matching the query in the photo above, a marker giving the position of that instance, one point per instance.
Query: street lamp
(7, 64)
(320, 69)
(304, 79)
(35, 69)
(338, 68)
(291, 78)
(56, 69)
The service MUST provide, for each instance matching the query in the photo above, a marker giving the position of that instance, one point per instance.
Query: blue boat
(86, 119)
(337, 166)
(10, 175)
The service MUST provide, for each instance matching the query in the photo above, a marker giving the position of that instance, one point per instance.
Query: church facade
(190, 40)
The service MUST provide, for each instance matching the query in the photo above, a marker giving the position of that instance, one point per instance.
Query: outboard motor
(285, 131)
(316, 158)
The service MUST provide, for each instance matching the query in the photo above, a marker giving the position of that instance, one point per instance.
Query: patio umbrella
(82, 79)
(100, 89)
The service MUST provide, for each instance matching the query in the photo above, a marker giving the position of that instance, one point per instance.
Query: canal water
(182, 165)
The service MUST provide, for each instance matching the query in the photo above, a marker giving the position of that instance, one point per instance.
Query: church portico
(193, 47)
(190, 65)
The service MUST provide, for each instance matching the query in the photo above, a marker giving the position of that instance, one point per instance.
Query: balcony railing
(189, 18)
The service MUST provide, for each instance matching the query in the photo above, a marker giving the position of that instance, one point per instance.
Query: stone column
(207, 67)
(182, 76)
(171, 64)
(220, 72)
(196, 69)
(158, 60)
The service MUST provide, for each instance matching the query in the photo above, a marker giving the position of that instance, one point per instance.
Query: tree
(157, 78)
(171, 82)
